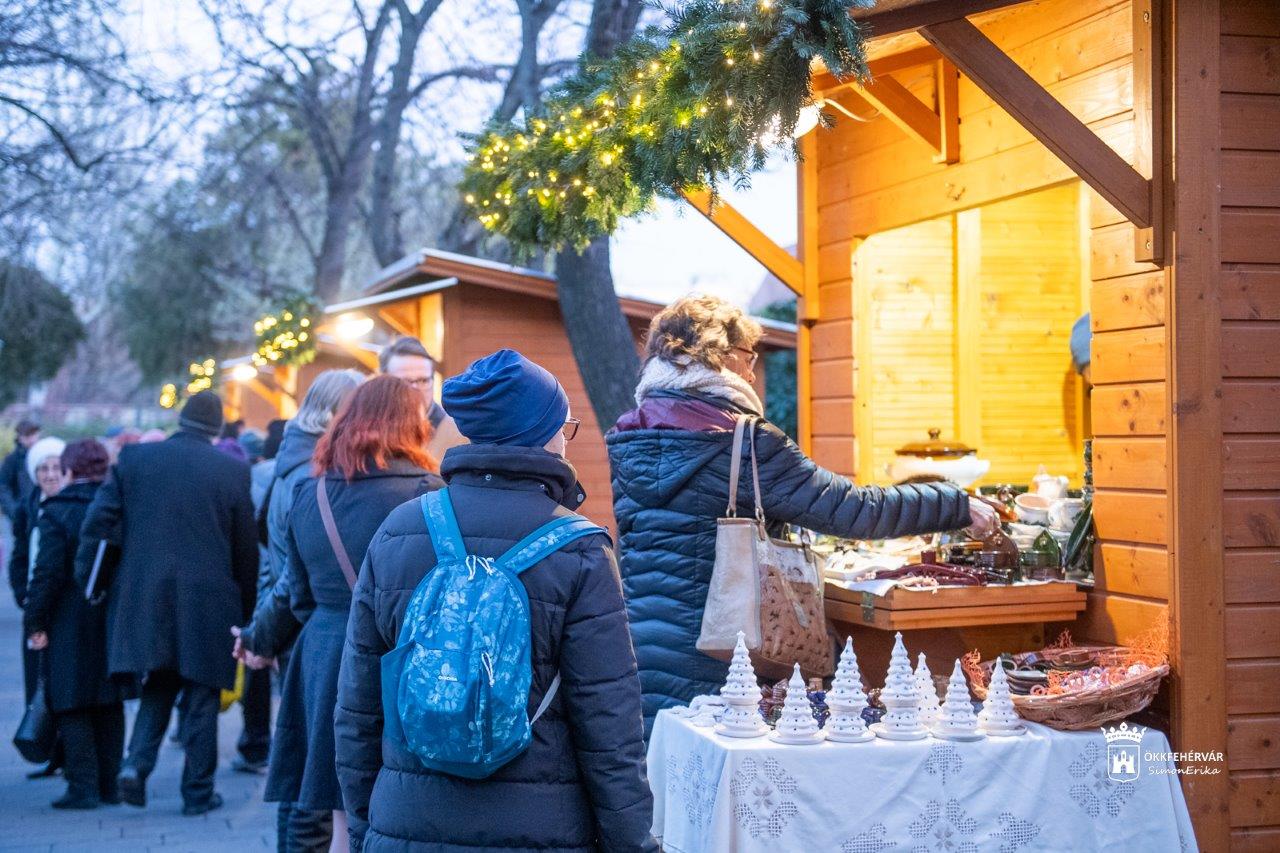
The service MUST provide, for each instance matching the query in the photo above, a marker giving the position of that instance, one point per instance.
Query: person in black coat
(181, 514)
(72, 634)
(581, 784)
(670, 474)
(15, 480)
(373, 459)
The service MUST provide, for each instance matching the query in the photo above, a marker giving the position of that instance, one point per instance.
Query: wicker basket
(1085, 709)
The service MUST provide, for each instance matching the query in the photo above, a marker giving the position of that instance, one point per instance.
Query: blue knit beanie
(505, 398)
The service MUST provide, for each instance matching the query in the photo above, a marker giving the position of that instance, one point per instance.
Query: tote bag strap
(331, 530)
(735, 466)
(755, 473)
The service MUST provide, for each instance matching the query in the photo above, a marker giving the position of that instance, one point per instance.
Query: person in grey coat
(180, 514)
(581, 784)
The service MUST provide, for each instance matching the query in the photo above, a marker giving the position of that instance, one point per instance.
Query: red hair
(384, 419)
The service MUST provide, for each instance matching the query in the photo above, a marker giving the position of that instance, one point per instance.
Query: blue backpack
(455, 690)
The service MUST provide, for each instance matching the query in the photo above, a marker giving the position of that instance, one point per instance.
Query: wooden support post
(1150, 114)
(742, 231)
(287, 378)
(271, 395)
(948, 112)
(366, 358)
(808, 306)
(1048, 121)
(1194, 416)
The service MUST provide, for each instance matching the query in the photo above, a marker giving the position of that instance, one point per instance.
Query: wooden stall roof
(431, 270)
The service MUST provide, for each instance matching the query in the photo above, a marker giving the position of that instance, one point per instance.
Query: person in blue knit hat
(585, 765)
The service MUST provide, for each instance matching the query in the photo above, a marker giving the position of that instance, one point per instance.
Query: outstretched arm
(797, 490)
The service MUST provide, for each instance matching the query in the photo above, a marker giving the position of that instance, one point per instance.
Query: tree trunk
(384, 219)
(599, 334)
(343, 188)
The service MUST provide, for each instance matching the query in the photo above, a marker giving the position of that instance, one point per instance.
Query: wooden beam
(825, 84)
(904, 109)
(894, 21)
(266, 392)
(948, 112)
(807, 226)
(1149, 114)
(1048, 121)
(360, 354)
(387, 315)
(742, 231)
(1194, 416)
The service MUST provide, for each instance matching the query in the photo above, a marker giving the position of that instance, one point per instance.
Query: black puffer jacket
(670, 464)
(581, 785)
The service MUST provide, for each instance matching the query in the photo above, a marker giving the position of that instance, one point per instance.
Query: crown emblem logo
(1123, 733)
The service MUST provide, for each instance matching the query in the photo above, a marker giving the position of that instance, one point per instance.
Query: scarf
(688, 375)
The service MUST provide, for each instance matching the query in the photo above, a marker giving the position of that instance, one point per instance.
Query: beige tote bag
(769, 589)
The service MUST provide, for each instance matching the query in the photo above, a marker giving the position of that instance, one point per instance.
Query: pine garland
(286, 337)
(701, 101)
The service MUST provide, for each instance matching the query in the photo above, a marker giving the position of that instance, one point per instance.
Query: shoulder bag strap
(331, 530)
(755, 474)
(735, 466)
(442, 524)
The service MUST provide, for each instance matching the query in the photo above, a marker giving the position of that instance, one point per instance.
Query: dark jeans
(255, 740)
(303, 831)
(197, 729)
(93, 741)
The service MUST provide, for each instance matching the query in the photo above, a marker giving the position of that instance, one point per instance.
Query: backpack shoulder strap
(442, 524)
(547, 539)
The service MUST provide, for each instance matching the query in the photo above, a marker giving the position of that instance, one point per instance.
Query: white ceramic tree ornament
(741, 694)
(901, 699)
(847, 701)
(998, 716)
(928, 694)
(797, 725)
(956, 720)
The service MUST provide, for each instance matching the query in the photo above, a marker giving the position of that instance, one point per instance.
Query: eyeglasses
(752, 355)
(571, 428)
(421, 381)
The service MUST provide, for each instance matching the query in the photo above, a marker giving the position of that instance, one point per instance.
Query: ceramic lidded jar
(938, 457)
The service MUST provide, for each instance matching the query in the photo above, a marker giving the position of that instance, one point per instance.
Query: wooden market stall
(1013, 165)
(463, 308)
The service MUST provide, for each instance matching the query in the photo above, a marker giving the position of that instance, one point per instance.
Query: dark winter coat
(181, 513)
(670, 467)
(581, 785)
(302, 770)
(76, 658)
(274, 627)
(23, 521)
(15, 482)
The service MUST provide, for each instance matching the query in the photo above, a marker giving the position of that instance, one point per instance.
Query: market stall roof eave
(430, 271)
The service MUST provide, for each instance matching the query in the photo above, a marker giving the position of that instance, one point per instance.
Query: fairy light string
(692, 105)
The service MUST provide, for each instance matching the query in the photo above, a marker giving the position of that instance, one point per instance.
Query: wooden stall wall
(873, 178)
(1250, 306)
(479, 320)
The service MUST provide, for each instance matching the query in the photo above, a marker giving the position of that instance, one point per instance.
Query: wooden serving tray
(955, 607)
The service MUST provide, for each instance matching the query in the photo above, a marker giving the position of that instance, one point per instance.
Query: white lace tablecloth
(1046, 790)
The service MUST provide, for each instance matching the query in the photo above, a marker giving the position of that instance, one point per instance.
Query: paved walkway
(28, 823)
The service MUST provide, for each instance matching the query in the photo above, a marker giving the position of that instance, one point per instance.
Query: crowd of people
(153, 569)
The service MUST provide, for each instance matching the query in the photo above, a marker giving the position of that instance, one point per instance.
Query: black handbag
(36, 733)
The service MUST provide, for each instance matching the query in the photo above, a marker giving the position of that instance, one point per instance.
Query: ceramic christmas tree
(956, 720)
(998, 716)
(927, 693)
(846, 701)
(797, 725)
(901, 699)
(742, 695)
